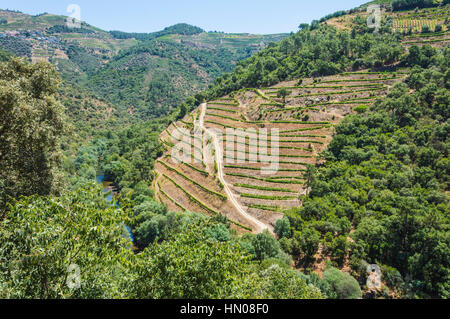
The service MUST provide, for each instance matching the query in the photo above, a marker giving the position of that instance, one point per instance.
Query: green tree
(219, 232)
(190, 265)
(306, 242)
(370, 238)
(283, 228)
(283, 93)
(183, 111)
(4, 55)
(279, 283)
(215, 269)
(42, 236)
(303, 26)
(426, 29)
(341, 285)
(262, 246)
(31, 124)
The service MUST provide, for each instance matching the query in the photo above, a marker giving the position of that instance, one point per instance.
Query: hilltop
(398, 14)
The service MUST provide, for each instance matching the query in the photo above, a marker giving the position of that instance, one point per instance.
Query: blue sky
(253, 16)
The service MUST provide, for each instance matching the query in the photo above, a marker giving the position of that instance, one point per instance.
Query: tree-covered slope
(382, 195)
(143, 75)
(155, 76)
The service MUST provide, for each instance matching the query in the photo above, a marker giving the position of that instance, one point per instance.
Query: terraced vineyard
(404, 20)
(404, 24)
(410, 23)
(413, 22)
(304, 121)
(435, 39)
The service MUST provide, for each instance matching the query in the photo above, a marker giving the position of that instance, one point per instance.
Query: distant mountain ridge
(144, 74)
(180, 28)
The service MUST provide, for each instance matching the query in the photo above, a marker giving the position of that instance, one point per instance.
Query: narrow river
(108, 188)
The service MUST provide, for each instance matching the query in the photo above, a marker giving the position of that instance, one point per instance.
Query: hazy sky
(253, 16)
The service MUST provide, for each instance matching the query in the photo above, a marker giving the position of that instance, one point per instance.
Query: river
(108, 187)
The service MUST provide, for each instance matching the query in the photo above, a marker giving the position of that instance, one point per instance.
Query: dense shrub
(341, 285)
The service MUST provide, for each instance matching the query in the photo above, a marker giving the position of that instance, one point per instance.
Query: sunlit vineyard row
(416, 24)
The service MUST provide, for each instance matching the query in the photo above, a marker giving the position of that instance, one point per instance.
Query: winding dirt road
(258, 226)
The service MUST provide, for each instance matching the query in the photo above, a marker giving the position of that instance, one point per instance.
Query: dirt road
(258, 226)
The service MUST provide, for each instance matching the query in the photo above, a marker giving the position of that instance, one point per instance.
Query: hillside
(318, 117)
(305, 122)
(190, 164)
(408, 22)
(143, 75)
(152, 77)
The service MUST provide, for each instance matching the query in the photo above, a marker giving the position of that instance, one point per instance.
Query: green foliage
(183, 111)
(219, 232)
(16, 46)
(42, 236)
(128, 157)
(386, 175)
(155, 75)
(334, 15)
(31, 125)
(223, 110)
(153, 222)
(265, 207)
(272, 189)
(308, 53)
(360, 108)
(391, 277)
(420, 56)
(279, 283)
(341, 285)
(283, 93)
(86, 61)
(267, 197)
(412, 4)
(205, 173)
(263, 246)
(269, 180)
(426, 29)
(216, 269)
(306, 242)
(4, 55)
(181, 28)
(283, 228)
(65, 29)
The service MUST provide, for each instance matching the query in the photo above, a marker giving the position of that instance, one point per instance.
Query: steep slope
(376, 141)
(381, 196)
(152, 77)
(141, 74)
(305, 125)
(403, 21)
